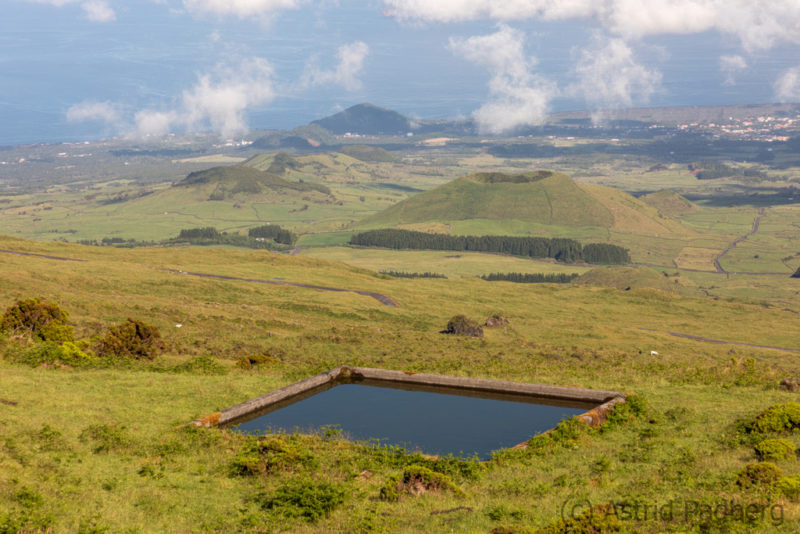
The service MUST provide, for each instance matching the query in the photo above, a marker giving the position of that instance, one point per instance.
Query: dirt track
(753, 230)
(718, 341)
(383, 299)
(59, 258)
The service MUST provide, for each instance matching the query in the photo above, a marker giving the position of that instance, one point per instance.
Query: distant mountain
(366, 119)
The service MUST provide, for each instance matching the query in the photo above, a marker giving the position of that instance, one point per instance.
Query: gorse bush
(778, 418)
(271, 454)
(74, 354)
(42, 320)
(132, 339)
(759, 474)
(600, 519)
(105, 437)
(789, 486)
(203, 365)
(308, 499)
(775, 449)
(460, 325)
(417, 479)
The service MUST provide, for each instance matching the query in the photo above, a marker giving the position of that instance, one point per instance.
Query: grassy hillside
(669, 203)
(109, 434)
(551, 198)
(627, 278)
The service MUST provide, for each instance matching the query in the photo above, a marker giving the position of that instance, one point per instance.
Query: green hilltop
(242, 179)
(542, 197)
(669, 203)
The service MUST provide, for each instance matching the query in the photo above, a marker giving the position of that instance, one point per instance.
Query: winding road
(59, 258)
(756, 222)
(383, 299)
(718, 341)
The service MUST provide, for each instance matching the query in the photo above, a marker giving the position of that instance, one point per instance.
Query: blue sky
(81, 69)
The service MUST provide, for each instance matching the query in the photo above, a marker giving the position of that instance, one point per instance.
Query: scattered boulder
(790, 384)
(495, 320)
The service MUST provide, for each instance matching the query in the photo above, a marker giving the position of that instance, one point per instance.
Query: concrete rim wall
(602, 401)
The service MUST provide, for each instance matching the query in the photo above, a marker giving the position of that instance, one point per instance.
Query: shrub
(789, 486)
(777, 418)
(132, 339)
(599, 519)
(304, 498)
(417, 479)
(42, 320)
(77, 353)
(759, 474)
(460, 325)
(203, 365)
(775, 449)
(270, 454)
(74, 354)
(271, 356)
(635, 407)
(105, 437)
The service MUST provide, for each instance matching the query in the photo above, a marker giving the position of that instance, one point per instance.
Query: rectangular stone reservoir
(433, 414)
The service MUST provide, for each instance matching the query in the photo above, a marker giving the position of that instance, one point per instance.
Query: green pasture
(111, 436)
(449, 263)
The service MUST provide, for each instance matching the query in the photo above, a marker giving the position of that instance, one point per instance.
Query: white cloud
(730, 65)
(351, 61)
(218, 102)
(94, 10)
(220, 99)
(757, 24)
(93, 111)
(517, 96)
(506, 10)
(787, 87)
(149, 122)
(239, 8)
(609, 76)
(98, 11)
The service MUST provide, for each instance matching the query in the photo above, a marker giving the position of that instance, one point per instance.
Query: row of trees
(404, 274)
(211, 236)
(274, 232)
(531, 278)
(563, 250)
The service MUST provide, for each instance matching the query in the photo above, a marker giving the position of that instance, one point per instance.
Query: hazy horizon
(75, 69)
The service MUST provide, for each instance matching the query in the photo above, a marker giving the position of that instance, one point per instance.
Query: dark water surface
(429, 421)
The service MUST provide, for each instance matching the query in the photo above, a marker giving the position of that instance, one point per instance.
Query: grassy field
(109, 435)
(450, 264)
